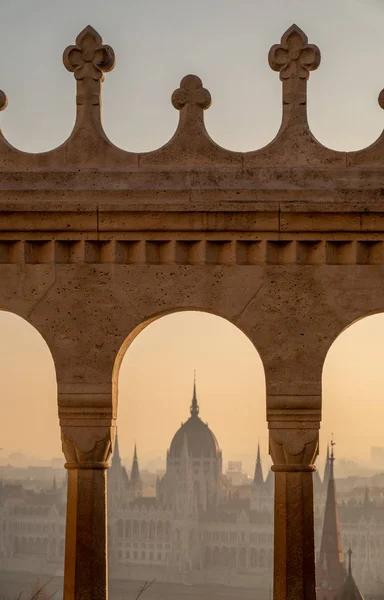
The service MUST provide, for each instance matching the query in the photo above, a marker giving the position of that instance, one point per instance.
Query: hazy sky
(226, 43)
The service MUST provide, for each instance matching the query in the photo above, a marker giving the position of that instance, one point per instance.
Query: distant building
(201, 527)
(377, 457)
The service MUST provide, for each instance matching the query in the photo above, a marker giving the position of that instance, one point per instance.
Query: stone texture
(286, 242)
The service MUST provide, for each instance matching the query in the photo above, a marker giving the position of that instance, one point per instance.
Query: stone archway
(285, 242)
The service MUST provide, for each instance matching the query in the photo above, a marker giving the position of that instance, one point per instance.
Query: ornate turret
(350, 591)
(258, 477)
(330, 568)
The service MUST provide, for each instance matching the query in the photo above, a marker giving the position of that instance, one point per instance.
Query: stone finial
(191, 93)
(89, 59)
(3, 101)
(294, 58)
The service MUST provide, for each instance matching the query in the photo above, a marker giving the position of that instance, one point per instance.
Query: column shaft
(86, 576)
(294, 543)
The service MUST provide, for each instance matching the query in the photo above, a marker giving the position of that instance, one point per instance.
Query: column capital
(293, 438)
(293, 450)
(87, 447)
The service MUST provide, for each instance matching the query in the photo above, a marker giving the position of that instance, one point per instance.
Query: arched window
(262, 558)
(136, 530)
(242, 558)
(254, 558)
(160, 530)
(232, 557)
(152, 530)
(143, 530)
(127, 529)
(167, 530)
(120, 528)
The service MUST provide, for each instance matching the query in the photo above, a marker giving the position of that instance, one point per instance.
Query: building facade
(200, 527)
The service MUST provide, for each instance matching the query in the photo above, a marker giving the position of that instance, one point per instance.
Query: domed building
(194, 460)
(200, 527)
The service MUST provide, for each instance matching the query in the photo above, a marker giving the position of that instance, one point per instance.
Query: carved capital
(191, 92)
(293, 449)
(87, 447)
(89, 59)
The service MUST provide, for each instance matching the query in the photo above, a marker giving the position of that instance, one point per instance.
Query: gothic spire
(194, 405)
(116, 460)
(258, 477)
(330, 568)
(326, 469)
(350, 591)
(135, 472)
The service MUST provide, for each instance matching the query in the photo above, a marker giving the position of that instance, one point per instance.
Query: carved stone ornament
(89, 59)
(294, 57)
(84, 449)
(293, 450)
(191, 92)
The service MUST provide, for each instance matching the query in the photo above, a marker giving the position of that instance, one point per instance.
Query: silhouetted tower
(330, 568)
(350, 591)
(326, 470)
(118, 480)
(135, 486)
(194, 405)
(258, 477)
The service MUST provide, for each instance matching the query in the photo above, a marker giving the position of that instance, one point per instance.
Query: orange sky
(156, 386)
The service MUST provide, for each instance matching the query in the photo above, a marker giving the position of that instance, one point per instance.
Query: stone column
(293, 445)
(87, 430)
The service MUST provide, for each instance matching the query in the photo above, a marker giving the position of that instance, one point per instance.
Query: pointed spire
(326, 469)
(194, 406)
(135, 472)
(350, 591)
(116, 460)
(258, 477)
(330, 568)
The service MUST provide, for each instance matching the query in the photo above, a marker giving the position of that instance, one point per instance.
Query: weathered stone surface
(286, 242)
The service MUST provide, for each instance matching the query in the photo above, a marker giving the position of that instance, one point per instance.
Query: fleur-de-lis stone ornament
(294, 58)
(89, 59)
(191, 93)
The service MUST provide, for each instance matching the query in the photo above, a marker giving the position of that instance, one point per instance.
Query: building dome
(201, 441)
